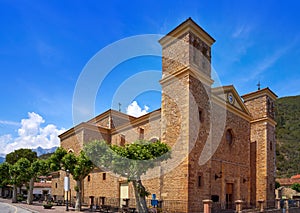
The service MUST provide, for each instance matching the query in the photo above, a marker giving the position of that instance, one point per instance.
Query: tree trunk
(14, 197)
(139, 191)
(30, 192)
(78, 196)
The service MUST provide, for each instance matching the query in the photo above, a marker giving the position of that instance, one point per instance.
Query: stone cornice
(189, 70)
(228, 89)
(80, 127)
(187, 26)
(138, 121)
(266, 119)
(260, 93)
(230, 108)
(108, 113)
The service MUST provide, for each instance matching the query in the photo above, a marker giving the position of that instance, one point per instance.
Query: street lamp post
(67, 188)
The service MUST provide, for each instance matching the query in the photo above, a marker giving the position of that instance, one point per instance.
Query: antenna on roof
(258, 85)
(120, 107)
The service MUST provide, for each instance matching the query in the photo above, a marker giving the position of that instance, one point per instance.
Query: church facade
(223, 144)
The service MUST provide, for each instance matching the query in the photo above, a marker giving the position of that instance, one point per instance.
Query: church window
(199, 181)
(55, 185)
(229, 136)
(122, 140)
(201, 116)
(89, 178)
(154, 139)
(104, 176)
(141, 132)
(204, 51)
(271, 145)
(215, 198)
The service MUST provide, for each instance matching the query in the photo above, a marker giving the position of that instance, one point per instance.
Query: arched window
(70, 151)
(229, 136)
(154, 139)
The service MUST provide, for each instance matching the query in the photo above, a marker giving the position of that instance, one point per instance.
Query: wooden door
(229, 195)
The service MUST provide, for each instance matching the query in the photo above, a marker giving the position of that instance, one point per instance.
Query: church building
(223, 144)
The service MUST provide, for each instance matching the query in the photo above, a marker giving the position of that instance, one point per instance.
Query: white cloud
(31, 134)
(9, 123)
(4, 140)
(135, 110)
(267, 63)
(242, 31)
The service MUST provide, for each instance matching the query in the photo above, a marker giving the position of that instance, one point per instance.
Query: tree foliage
(55, 160)
(4, 174)
(19, 175)
(78, 166)
(14, 156)
(288, 136)
(277, 185)
(131, 161)
(37, 168)
(296, 187)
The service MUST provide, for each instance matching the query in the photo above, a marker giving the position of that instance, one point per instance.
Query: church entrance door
(229, 195)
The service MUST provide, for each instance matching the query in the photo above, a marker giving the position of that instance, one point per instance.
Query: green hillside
(288, 136)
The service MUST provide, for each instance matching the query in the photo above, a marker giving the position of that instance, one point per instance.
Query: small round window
(229, 136)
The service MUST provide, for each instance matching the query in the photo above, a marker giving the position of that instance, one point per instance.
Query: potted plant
(47, 204)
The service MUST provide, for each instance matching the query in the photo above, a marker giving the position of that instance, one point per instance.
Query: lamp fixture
(218, 176)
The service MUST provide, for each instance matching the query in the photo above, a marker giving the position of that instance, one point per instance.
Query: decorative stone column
(261, 205)
(207, 206)
(239, 206)
(278, 203)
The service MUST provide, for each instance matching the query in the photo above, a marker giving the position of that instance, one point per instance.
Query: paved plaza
(36, 207)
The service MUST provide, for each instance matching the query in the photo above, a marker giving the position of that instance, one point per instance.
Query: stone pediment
(230, 96)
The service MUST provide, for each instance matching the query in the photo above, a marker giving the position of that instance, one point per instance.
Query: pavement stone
(37, 207)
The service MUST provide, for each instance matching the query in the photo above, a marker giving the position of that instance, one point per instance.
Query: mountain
(288, 136)
(40, 151)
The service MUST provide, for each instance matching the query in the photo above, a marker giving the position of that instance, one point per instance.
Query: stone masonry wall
(90, 135)
(73, 142)
(263, 134)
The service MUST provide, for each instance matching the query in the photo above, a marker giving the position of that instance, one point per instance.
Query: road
(7, 208)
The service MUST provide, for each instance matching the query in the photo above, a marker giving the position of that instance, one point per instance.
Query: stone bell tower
(263, 145)
(185, 108)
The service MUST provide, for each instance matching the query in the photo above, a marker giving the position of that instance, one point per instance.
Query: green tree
(37, 168)
(79, 167)
(4, 174)
(296, 187)
(277, 185)
(14, 156)
(19, 175)
(131, 161)
(55, 160)
(24, 177)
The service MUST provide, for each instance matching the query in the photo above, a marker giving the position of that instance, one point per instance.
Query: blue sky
(44, 46)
